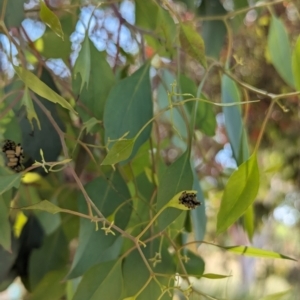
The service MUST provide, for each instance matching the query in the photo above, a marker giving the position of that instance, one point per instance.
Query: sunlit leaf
(215, 276)
(296, 63)
(50, 19)
(240, 192)
(256, 252)
(120, 151)
(279, 296)
(44, 205)
(174, 202)
(280, 51)
(31, 114)
(192, 43)
(40, 88)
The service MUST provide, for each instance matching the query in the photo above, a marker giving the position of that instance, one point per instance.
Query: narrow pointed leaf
(192, 43)
(215, 276)
(83, 63)
(40, 88)
(239, 194)
(174, 202)
(50, 19)
(129, 107)
(280, 51)
(120, 151)
(176, 178)
(9, 181)
(233, 120)
(256, 252)
(44, 205)
(31, 113)
(104, 279)
(296, 64)
(279, 296)
(5, 230)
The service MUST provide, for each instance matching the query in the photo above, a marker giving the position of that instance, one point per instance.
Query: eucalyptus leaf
(296, 63)
(129, 107)
(280, 51)
(240, 192)
(44, 205)
(120, 151)
(50, 19)
(102, 279)
(192, 43)
(40, 88)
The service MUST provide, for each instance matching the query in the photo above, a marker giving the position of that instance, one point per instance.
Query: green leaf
(120, 151)
(146, 14)
(9, 181)
(55, 47)
(198, 215)
(256, 252)
(249, 218)
(279, 296)
(215, 276)
(44, 205)
(174, 202)
(53, 255)
(213, 28)
(165, 27)
(83, 63)
(40, 88)
(5, 230)
(194, 264)
(134, 264)
(100, 80)
(233, 120)
(31, 114)
(14, 13)
(240, 192)
(50, 19)
(128, 108)
(89, 124)
(7, 260)
(153, 17)
(280, 51)
(205, 118)
(102, 279)
(51, 287)
(178, 177)
(173, 116)
(108, 195)
(192, 43)
(47, 138)
(296, 63)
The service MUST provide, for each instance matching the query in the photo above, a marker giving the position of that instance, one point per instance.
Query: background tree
(130, 113)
